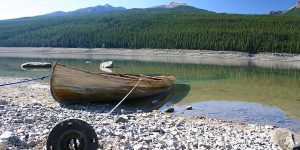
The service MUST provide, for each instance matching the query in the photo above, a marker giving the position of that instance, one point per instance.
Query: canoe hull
(70, 85)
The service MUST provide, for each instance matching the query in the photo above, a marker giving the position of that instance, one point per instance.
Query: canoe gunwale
(118, 76)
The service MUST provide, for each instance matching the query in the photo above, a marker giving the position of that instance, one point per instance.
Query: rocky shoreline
(27, 51)
(28, 113)
(231, 58)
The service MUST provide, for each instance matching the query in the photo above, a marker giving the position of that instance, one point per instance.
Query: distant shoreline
(152, 52)
(209, 57)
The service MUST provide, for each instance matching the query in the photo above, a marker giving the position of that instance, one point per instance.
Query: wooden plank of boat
(72, 85)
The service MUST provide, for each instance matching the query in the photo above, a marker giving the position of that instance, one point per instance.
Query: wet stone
(29, 120)
(170, 110)
(189, 108)
(3, 102)
(122, 120)
(17, 120)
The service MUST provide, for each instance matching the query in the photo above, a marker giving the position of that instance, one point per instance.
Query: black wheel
(72, 134)
(297, 147)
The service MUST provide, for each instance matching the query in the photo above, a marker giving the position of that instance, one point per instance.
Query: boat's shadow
(178, 92)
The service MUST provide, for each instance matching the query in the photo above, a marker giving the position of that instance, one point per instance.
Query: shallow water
(245, 93)
(241, 112)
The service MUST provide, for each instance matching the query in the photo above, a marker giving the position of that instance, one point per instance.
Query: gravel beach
(28, 113)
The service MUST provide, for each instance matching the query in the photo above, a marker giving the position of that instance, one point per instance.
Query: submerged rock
(36, 65)
(189, 108)
(155, 102)
(170, 110)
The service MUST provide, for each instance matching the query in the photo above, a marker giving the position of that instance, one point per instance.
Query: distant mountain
(279, 12)
(172, 7)
(96, 9)
(173, 4)
(56, 13)
(294, 10)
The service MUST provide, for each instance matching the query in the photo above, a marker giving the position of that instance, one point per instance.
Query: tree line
(168, 30)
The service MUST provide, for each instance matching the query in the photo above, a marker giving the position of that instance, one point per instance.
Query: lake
(263, 94)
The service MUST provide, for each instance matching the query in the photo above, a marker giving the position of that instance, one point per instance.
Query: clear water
(246, 94)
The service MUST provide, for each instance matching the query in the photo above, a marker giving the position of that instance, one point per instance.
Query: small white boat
(107, 64)
(106, 70)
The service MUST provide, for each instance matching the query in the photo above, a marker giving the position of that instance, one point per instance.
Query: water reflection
(246, 112)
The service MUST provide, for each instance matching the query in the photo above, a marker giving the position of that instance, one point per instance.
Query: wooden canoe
(70, 85)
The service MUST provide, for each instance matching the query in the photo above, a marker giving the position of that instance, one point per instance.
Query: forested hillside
(294, 11)
(168, 30)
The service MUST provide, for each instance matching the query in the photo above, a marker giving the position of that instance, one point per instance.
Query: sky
(25, 8)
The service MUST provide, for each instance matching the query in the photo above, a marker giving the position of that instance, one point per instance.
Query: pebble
(21, 130)
(138, 147)
(122, 120)
(3, 102)
(17, 120)
(3, 145)
(29, 120)
(6, 135)
(46, 131)
(269, 127)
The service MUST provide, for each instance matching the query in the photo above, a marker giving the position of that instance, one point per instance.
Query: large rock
(284, 138)
(298, 4)
(296, 138)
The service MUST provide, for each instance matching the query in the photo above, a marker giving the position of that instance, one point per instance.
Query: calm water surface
(246, 94)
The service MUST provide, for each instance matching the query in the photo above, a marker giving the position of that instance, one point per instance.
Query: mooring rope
(26, 80)
(122, 99)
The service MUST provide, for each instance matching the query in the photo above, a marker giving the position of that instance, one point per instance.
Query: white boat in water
(106, 70)
(107, 64)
